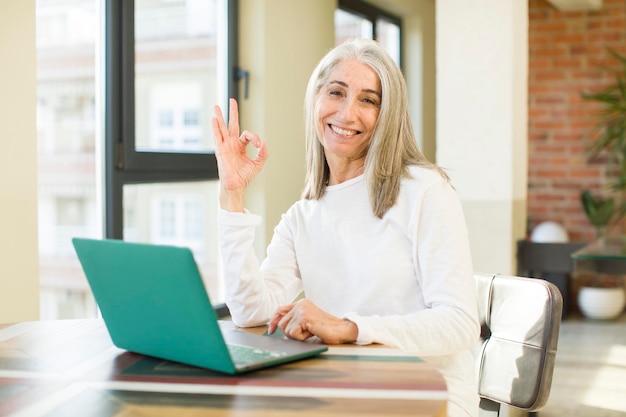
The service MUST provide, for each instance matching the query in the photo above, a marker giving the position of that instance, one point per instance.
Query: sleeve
(443, 267)
(254, 291)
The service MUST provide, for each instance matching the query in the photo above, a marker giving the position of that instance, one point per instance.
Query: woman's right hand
(236, 169)
(303, 319)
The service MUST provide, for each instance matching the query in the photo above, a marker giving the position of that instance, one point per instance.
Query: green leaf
(609, 135)
(599, 210)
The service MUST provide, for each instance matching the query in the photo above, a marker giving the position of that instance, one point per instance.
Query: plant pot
(601, 303)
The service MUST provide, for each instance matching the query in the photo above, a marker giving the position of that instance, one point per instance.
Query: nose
(347, 111)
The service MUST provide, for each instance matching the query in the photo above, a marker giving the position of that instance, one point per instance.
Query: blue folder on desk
(154, 302)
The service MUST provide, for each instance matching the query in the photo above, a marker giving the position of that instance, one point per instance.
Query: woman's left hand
(303, 319)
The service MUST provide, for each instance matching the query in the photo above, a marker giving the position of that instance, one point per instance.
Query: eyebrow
(366, 90)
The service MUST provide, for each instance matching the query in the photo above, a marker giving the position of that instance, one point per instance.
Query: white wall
(482, 68)
(19, 271)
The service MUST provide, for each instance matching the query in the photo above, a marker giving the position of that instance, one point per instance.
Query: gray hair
(393, 147)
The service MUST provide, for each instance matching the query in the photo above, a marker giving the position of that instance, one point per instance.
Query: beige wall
(19, 272)
(281, 41)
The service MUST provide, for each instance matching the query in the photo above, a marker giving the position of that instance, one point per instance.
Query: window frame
(123, 164)
(372, 14)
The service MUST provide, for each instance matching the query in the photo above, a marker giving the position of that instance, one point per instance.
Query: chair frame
(511, 323)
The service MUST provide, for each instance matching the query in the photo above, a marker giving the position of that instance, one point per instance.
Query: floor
(590, 373)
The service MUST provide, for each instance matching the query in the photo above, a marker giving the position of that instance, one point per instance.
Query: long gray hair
(393, 146)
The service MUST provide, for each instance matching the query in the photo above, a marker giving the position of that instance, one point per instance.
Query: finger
(284, 322)
(244, 140)
(233, 118)
(217, 135)
(296, 330)
(221, 124)
(262, 153)
(219, 116)
(293, 326)
(277, 317)
(251, 137)
(273, 324)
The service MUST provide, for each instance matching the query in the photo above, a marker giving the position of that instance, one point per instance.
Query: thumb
(262, 153)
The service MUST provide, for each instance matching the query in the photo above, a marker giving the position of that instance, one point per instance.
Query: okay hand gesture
(236, 169)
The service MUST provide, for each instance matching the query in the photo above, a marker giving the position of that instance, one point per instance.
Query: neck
(337, 176)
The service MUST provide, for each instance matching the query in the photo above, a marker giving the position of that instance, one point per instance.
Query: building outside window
(358, 19)
(178, 50)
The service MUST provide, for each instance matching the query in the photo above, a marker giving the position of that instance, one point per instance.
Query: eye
(371, 101)
(337, 93)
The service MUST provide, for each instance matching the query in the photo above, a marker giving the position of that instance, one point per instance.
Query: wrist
(232, 200)
(351, 331)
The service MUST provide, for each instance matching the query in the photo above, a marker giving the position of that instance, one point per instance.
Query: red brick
(550, 26)
(569, 37)
(547, 50)
(619, 23)
(604, 36)
(575, 45)
(564, 63)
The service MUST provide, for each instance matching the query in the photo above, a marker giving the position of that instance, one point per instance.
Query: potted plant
(608, 139)
(602, 212)
(602, 299)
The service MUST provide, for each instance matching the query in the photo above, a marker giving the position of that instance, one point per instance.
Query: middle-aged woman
(378, 241)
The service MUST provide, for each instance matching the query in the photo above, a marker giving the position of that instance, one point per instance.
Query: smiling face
(348, 105)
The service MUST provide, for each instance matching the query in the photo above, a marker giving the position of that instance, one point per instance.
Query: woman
(378, 242)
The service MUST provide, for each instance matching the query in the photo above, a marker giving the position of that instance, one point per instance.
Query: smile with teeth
(343, 132)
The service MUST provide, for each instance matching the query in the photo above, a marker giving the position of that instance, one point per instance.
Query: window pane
(180, 214)
(388, 34)
(67, 33)
(349, 25)
(177, 64)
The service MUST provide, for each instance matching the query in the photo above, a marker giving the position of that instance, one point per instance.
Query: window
(358, 19)
(165, 64)
(166, 219)
(166, 118)
(68, 186)
(191, 118)
(168, 63)
(174, 127)
(70, 212)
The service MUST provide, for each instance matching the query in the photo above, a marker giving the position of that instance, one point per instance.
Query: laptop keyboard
(246, 354)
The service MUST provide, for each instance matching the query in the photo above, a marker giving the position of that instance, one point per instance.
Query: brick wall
(566, 50)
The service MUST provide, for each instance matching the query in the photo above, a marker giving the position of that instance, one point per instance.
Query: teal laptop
(154, 302)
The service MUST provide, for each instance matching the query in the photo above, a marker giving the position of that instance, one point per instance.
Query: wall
(566, 50)
(19, 276)
(482, 119)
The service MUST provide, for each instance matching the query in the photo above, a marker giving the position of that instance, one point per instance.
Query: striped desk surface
(70, 368)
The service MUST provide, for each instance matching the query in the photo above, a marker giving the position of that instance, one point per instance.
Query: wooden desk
(70, 368)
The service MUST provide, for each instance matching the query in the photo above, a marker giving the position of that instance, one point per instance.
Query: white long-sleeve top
(406, 280)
